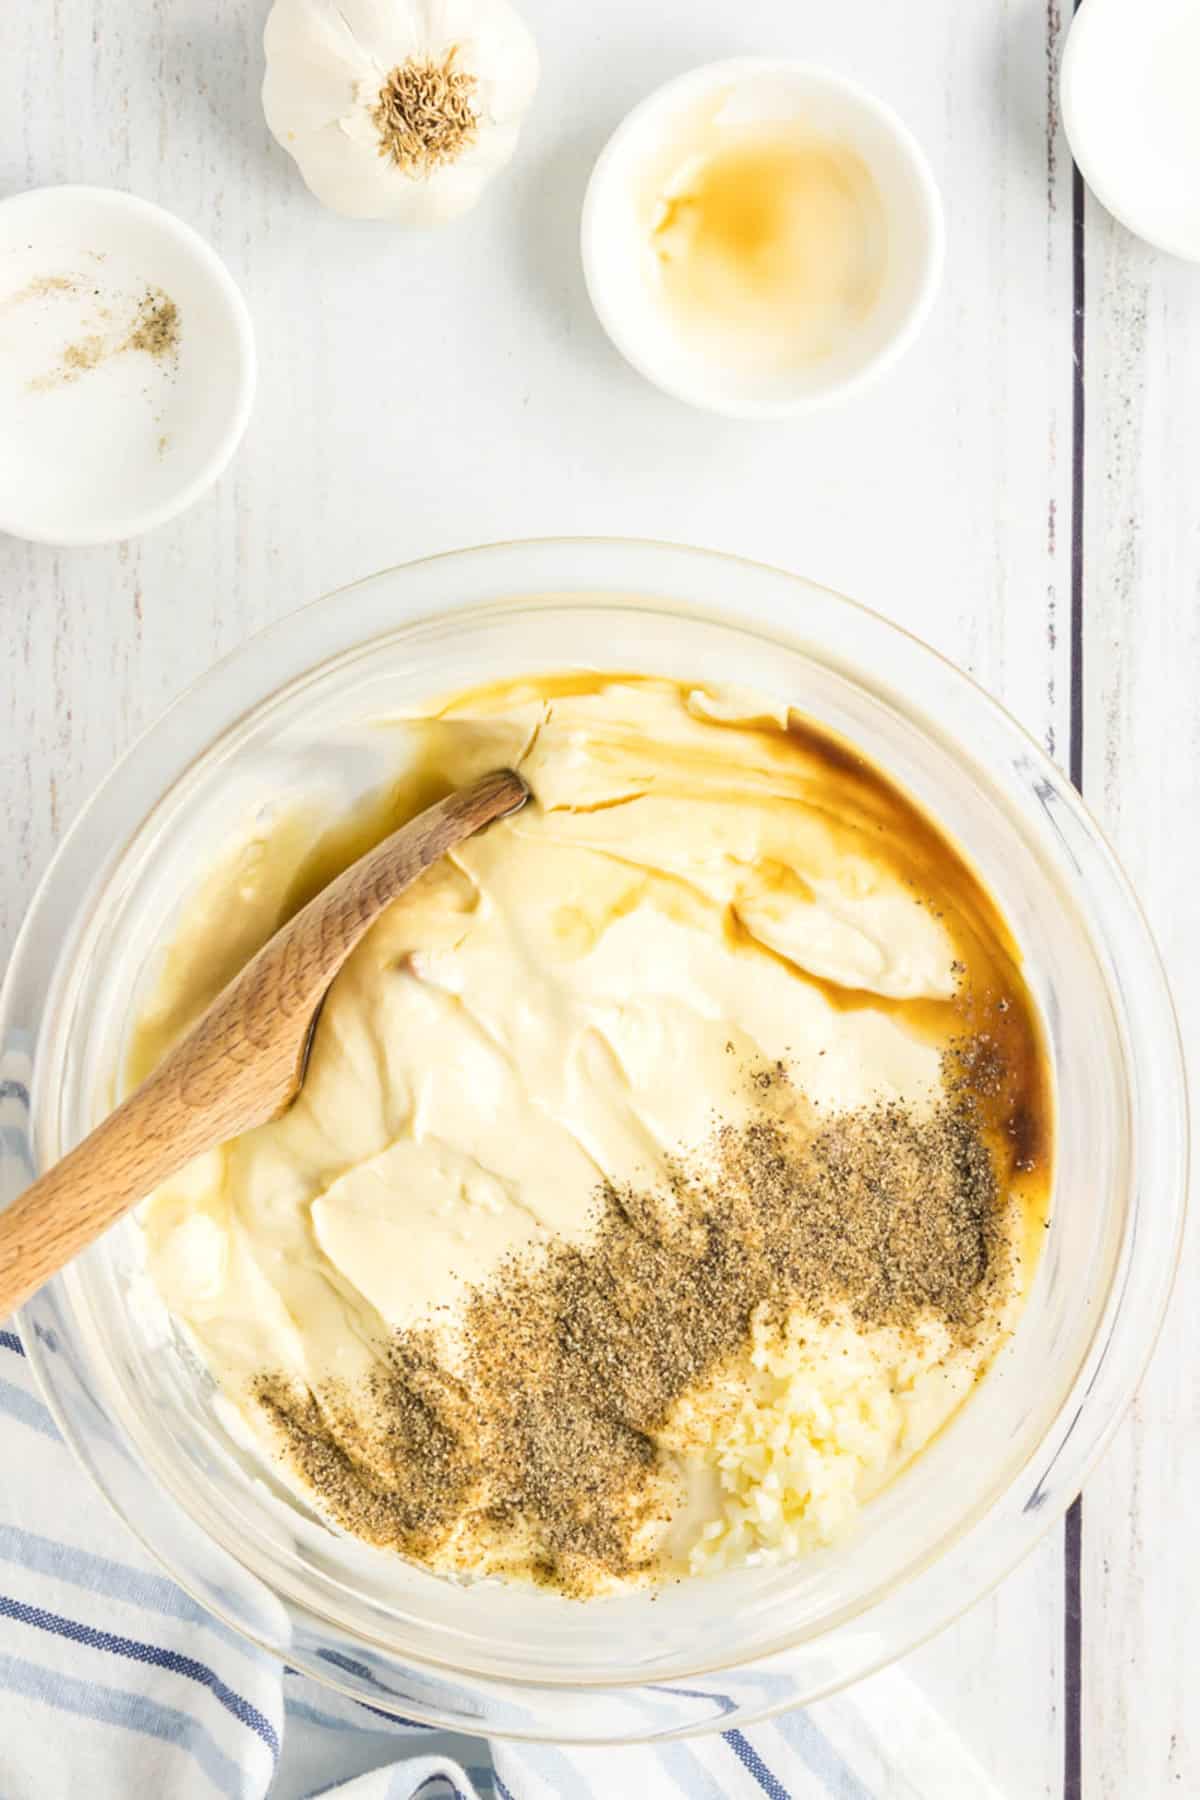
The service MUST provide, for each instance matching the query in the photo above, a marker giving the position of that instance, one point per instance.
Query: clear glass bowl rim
(1125, 1333)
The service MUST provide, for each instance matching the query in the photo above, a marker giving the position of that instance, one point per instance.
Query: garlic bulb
(398, 109)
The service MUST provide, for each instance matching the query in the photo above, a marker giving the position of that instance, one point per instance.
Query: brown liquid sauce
(998, 1050)
(1006, 1065)
(771, 239)
(1005, 1061)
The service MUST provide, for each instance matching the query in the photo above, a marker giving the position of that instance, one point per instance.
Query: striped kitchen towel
(113, 1683)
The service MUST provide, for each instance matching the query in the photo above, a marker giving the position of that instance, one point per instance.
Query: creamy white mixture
(570, 999)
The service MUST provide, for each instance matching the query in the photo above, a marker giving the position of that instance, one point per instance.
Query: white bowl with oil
(761, 237)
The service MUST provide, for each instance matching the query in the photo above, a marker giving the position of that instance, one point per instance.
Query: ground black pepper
(572, 1359)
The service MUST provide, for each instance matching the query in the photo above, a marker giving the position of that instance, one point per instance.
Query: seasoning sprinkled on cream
(671, 1162)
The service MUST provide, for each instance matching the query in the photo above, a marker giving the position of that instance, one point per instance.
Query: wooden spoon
(244, 1060)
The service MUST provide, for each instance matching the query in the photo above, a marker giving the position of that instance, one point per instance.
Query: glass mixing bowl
(286, 712)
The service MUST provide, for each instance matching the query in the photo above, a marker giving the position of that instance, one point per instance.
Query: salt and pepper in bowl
(760, 238)
(127, 365)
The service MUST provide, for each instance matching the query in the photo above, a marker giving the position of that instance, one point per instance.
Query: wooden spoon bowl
(244, 1060)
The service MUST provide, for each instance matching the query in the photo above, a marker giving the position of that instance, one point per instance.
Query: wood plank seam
(1073, 1524)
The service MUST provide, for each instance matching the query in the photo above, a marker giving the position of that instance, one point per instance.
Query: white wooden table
(1024, 492)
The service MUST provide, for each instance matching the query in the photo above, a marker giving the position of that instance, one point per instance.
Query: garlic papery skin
(398, 109)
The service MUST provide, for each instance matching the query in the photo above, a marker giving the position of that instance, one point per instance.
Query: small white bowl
(101, 439)
(1130, 93)
(618, 260)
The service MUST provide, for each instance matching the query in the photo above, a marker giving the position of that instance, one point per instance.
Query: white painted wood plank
(419, 393)
(1142, 753)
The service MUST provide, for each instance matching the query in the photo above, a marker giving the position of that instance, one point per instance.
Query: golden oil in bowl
(770, 243)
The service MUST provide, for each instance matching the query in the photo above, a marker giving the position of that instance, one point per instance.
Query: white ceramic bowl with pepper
(127, 365)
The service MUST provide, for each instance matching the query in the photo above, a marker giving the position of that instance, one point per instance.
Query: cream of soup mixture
(672, 1159)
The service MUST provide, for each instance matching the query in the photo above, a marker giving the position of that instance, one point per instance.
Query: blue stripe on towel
(554, 1767)
(753, 1763)
(153, 1654)
(111, 1706)
(330, 1722)
(350, 1666)
(392, 1718)
(10, 1341)
(431, 1781)
(688, 1772)
(116, 1580)
(14, 1142)
(722, 1702)
(820, 1755)
(300, 1709)
(17, 1404)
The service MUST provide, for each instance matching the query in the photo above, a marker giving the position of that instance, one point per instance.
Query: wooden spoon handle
(139, 1145)
(241, 1064)
(255, 1033)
